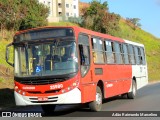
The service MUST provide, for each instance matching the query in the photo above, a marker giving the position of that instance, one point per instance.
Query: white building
(60, 10)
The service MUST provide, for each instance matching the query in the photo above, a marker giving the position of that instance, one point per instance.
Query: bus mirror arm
(7, 54)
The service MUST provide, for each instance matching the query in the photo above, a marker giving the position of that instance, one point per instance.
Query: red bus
(73, 65)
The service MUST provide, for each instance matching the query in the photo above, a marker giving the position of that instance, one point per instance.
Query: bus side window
(125, 51)
(109, 50)
(143, 56)
(118, 51)
(140, 56)
(137, 55)
(97, 50)
(131, 54)
(122, 53)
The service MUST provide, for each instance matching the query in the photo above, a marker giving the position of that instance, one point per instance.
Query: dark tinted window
(125, 52)
(143, 56)
(137, 54)
(119, 59)
(131, 54)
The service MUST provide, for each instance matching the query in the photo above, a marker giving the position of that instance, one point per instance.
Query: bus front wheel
(96, 105)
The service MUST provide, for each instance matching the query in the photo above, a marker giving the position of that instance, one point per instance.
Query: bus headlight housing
(72, 86)
(16, 87)
(19, 91)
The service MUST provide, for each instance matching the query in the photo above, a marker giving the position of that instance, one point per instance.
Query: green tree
(97, 18)
(35, 14)
(134, 21)
(22, 14)
(9, 15)
(93, 18)
(113, 23)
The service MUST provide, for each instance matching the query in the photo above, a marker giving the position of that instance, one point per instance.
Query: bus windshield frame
(45, 56)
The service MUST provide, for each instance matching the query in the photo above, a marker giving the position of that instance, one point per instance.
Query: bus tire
(48, 109)
(96, 105)
(132, 94)
(124, 96)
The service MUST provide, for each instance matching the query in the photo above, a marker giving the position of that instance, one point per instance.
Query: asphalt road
(148, 99)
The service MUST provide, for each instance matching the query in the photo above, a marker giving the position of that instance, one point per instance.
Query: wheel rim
(98, 98)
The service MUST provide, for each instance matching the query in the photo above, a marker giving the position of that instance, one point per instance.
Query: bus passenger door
(87, 88)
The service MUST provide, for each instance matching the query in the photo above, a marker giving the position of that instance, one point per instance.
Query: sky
(147, 10)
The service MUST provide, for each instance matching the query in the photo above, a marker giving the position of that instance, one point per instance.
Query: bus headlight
(63, 91)
(16, 87)
(19, 91)
(69, 88)
(72, 86)
(75, 83)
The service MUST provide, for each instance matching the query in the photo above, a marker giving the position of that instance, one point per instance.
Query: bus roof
(133, 43)
(98, 34)
(86, 31)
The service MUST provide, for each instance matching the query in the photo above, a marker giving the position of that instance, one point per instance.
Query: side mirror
(8, 54)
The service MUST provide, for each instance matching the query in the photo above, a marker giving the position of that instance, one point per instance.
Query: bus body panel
(88, 92)
(116, 78)
(71, 97)
(141, 78)
(139, 71)
(88, 86)
(45, 90)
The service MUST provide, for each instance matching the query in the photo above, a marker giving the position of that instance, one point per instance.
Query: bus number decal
(58, 86)
(109, 85)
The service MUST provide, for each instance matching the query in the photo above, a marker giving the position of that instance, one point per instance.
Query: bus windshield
(58, 57)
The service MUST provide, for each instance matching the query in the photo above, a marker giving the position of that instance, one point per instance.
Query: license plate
(42, 98)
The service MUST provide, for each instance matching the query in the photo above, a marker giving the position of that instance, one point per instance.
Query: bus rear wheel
(48, 109)
(96, 105)
(132, 94)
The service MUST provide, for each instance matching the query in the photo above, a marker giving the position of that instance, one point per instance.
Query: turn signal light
(73, 85)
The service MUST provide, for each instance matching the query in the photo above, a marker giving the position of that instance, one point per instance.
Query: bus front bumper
(71, 97)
